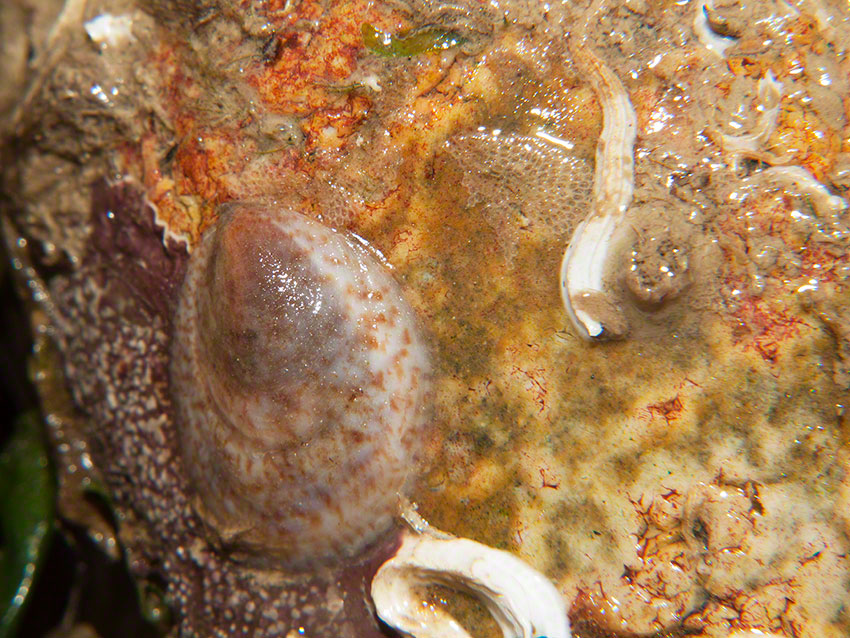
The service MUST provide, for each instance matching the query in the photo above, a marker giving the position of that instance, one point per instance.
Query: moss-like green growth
(26, 518)
(408, 43)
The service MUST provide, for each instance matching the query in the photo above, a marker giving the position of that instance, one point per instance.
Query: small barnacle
(658, 271)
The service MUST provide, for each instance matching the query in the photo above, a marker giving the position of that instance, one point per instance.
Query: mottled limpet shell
(299, 378)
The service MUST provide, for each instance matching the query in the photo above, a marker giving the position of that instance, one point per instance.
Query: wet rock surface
(690, 479)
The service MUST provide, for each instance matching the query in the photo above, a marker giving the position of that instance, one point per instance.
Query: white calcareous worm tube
(589, 306)
(522, 601)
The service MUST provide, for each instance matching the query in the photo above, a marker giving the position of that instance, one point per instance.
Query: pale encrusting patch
(300, 379)
(523, 182)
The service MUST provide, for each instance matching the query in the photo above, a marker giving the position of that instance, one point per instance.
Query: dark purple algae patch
(113, 321)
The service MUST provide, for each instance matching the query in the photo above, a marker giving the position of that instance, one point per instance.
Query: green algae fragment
(408, 43)
(26, 517)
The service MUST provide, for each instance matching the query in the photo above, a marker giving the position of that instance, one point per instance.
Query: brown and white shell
(299, 378)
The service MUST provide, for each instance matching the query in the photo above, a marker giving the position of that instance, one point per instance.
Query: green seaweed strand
(26, 517)
(408, 43)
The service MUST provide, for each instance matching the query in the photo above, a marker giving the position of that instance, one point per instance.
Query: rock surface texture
(688, 479)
